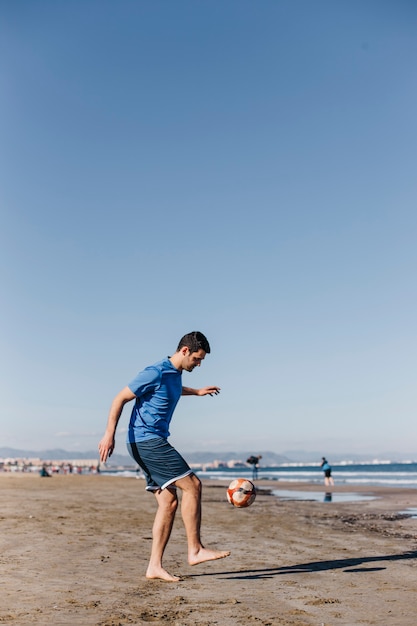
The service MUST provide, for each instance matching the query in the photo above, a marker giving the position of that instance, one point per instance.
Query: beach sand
(74, 551)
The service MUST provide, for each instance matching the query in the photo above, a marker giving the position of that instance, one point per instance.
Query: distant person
(44, 472)
(328, 479)
(254, 461)
(156, 391)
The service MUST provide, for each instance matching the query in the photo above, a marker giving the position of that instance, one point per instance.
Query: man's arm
(106, 445)
(204, 391)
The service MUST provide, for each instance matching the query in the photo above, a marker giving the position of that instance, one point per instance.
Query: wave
(390, 475)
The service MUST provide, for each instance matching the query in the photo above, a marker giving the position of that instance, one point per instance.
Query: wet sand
(74, 551)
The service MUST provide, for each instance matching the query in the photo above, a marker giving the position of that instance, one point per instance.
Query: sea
(384, 474)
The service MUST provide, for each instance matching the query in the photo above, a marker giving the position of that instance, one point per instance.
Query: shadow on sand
(316, 566)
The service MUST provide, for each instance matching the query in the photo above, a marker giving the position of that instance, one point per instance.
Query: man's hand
(204, 391)
(208, 391)
(106, 447)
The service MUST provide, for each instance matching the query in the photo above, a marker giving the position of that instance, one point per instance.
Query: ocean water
(365, 474)
(324, 496)
(372, 474)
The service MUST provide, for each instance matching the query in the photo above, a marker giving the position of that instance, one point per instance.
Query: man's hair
(194, 342)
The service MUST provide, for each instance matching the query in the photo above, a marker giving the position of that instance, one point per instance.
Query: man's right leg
(161, 532)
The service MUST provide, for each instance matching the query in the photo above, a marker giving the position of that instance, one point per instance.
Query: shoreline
(74, 551)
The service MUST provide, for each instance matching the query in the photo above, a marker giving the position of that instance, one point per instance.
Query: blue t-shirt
(157, 389)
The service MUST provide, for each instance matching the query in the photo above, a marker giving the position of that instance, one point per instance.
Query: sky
(242, 168)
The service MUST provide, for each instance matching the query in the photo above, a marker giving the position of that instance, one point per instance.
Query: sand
(74, 551)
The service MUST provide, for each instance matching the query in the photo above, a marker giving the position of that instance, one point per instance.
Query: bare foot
(160, 573)
(204, 555)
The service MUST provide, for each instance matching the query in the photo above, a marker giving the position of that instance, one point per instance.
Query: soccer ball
(241, 492)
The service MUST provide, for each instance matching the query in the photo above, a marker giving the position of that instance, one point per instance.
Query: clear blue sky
(247, 169)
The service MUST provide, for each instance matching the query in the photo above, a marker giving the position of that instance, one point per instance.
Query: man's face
(192, 359)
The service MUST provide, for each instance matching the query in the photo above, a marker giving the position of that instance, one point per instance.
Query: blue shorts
(160, 462)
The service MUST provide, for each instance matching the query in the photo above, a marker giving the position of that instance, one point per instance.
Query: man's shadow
(315, 566)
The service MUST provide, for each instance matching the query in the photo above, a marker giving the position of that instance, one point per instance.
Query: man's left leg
(191, 515)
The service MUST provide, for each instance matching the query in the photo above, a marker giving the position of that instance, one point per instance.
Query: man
(328, 478)
(156, 391)
(254, 461)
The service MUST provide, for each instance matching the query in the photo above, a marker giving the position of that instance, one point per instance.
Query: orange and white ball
(241, 493)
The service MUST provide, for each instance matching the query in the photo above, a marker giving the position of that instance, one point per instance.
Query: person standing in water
(254, 461)
(328, 479)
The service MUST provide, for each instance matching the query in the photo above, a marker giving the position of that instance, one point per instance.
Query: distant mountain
(55, 455)
(61, 455)
(268, 458)
(301, 456)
